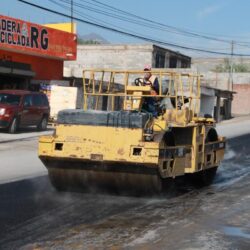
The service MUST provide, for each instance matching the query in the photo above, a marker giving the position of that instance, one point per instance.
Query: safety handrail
(109, 82)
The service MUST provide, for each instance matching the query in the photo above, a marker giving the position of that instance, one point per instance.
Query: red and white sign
(25, 37)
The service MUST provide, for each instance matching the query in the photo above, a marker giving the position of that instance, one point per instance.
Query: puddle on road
(236, 231)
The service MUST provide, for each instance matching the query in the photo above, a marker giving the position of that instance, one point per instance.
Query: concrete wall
(222, 80)
(110, 57)
(205, 64)
(216, 80)
(125, 57)
(241, 101)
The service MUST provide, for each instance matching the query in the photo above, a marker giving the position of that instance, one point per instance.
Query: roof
(177, 53)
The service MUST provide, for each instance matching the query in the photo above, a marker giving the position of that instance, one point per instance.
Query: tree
(236, 67)
(82, 41)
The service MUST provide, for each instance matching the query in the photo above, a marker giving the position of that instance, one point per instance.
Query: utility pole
(72, 24)
(230, 85)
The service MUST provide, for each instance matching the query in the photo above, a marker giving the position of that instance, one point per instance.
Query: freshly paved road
(34, 216)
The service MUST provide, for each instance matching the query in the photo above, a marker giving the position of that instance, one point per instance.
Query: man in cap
(151, 80)
(150, 103)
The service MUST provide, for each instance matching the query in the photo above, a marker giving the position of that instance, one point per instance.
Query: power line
(176, 30)
(130, 34)
(148, 23)
(183, 31)
(102, 21)
(87, 17)
(123, 18)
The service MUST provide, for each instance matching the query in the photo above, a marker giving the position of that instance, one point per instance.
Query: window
(9, 99)
(40, 100)
(28, 101)
(37, 100)
(173, 62)
(184, 64)
(160, 60)
(45, 100)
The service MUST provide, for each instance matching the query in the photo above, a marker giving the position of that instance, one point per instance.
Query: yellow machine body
(123, 151)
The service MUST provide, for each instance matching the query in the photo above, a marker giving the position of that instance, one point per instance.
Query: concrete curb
(21, 137)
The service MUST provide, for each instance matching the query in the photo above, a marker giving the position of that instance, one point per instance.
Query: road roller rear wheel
(204, 177)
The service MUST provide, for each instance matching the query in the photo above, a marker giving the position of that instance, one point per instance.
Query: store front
(32, 52)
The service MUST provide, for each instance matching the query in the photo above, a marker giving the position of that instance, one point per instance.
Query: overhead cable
(130, 34)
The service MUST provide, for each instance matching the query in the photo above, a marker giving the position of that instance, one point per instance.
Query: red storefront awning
(28, 38)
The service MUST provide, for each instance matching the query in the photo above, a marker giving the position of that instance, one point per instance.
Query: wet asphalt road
(34, 216)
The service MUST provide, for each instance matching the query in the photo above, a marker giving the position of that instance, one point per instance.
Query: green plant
(236, 67)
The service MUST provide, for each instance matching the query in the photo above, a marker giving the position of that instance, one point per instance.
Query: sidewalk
(234, 127)
(22, 135)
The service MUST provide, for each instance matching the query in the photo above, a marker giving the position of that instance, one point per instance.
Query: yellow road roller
(134, 133)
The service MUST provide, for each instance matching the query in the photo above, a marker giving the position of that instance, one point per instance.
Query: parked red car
(21, 108)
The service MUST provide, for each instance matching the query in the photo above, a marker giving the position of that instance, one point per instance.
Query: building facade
(124, 57)
(241, 102)
(31, 52)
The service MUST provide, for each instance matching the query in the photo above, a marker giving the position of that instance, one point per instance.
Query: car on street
(23, 108)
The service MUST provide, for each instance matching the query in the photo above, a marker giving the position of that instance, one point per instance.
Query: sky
(226, 20)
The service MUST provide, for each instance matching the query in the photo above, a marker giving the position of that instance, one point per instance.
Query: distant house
(130, 56)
